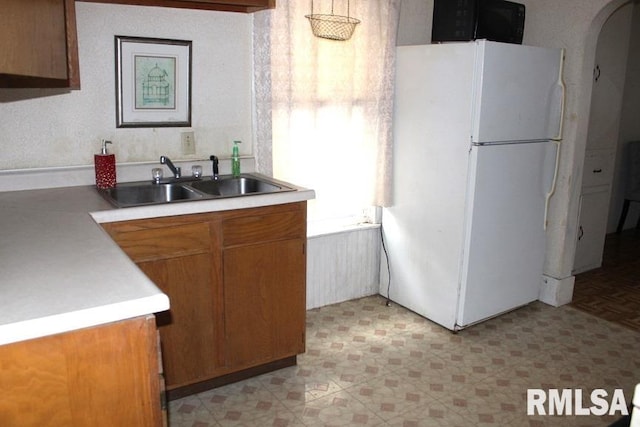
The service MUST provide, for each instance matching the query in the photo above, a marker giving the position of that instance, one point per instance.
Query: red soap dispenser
(105, 165)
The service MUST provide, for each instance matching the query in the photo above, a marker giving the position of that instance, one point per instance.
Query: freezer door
(504, 235)
(518, 93)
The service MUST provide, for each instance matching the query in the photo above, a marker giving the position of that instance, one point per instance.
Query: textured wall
(65, 129)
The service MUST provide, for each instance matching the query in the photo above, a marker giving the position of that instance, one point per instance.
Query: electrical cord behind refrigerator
(386, 255)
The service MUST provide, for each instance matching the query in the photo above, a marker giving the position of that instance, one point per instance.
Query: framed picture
(153, 82)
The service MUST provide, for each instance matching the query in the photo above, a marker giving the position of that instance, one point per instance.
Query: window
(331, 107)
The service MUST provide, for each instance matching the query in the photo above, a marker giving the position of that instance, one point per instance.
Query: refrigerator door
(518, 93)
(504, 234)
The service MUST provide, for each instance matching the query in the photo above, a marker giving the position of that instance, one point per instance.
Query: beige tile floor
(367, 364)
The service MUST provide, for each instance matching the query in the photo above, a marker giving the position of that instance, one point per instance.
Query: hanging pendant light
(333, 27)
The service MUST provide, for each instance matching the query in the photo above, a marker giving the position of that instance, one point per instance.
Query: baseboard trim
(179, 392)
(556, 292)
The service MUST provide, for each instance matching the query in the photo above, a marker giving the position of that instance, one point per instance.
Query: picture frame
(153, 82)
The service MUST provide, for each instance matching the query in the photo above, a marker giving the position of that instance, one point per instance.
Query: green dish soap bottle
(235, 160)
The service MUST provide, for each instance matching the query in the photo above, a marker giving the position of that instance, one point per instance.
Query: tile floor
(612, 291)
(371, 365)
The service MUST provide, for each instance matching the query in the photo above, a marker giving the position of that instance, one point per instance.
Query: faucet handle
(156, 173)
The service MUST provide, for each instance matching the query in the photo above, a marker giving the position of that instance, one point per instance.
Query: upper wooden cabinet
(246, 6)
(39, 44)
(39, 40)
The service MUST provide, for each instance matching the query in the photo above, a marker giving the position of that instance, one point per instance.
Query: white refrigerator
(476, 135)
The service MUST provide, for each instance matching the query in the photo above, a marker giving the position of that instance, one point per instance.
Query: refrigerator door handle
(563, 91)
(553, 184)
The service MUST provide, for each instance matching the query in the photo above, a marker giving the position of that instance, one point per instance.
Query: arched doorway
(607, 262)
(609, 75)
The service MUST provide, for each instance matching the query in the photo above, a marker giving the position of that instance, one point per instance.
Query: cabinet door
(38, 41)
(187, 330)
(594, 208)
(264, 302)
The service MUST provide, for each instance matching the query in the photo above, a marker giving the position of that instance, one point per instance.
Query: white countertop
(60, 271)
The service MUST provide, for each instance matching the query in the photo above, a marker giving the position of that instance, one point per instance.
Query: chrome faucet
(214, 164)
(167, 161)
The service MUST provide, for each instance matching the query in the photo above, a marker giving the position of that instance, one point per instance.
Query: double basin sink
(190, 189)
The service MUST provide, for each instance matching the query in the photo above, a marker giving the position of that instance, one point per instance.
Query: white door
(504, 234)
(517, 92)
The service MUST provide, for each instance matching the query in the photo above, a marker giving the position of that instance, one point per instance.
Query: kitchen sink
(124, 195)
(149, 193)
(229, 187)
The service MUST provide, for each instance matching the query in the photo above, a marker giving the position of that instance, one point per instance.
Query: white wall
(65, 129)
(414, 26)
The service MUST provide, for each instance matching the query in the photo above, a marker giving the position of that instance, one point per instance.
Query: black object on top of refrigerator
(465, 20)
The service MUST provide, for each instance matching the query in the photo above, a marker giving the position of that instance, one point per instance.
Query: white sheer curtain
(325, 107)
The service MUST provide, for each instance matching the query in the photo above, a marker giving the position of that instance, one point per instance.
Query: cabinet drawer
(264, 228)
(166, 242)
(598, 168)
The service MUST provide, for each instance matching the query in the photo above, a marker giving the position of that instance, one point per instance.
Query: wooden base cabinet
(237, 285)
(180, 256)
(106, 375)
